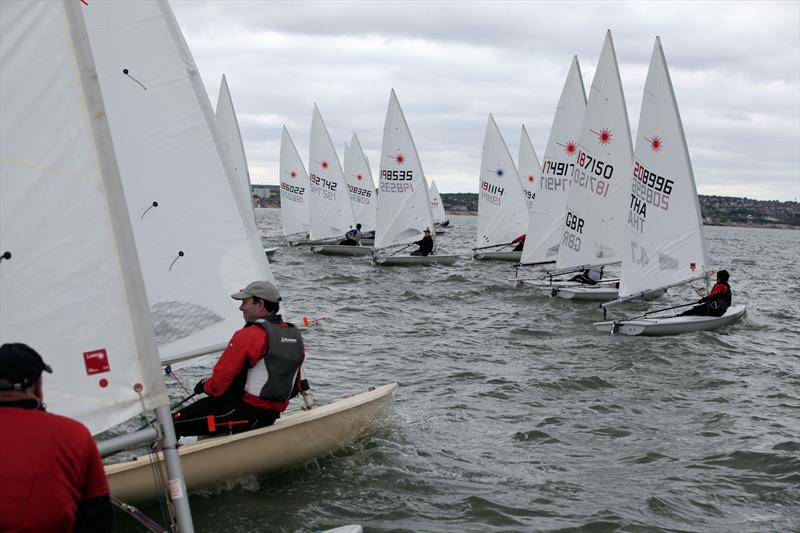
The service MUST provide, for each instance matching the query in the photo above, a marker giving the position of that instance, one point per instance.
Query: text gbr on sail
(574, 225)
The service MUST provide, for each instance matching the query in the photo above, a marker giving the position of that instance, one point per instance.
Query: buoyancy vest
(722, 300)
(274, 375)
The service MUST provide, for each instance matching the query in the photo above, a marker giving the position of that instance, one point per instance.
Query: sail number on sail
(648, 189)
(326, 187)
(390, 176)
(552, 183)
(359, 195)
(491, 193)
(292, 192)
(592, 166)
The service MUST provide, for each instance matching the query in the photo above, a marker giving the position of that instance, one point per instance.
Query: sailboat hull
(671, 325)
(588, 293)
(270, 252)
(293, 440)
(411, 260)
(339, 249)
(498, 256)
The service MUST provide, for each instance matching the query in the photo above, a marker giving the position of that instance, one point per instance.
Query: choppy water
(513, 414)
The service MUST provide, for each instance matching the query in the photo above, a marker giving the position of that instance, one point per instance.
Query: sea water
(514, 414)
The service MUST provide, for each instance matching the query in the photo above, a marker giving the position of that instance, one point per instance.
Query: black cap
(20, 366)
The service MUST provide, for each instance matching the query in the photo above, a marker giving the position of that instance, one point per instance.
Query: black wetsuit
(425, 246)
(715, 304)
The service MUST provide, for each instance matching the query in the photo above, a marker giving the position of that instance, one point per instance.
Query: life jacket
(273, 377)
(723, 299)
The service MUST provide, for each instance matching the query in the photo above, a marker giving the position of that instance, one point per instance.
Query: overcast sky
(735, 67)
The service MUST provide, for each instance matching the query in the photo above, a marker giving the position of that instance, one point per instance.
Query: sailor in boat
(255, 376)
(717, 301)
(588, 276)
(52, 478)
(352, 237)
(520, 243)
(425, 244)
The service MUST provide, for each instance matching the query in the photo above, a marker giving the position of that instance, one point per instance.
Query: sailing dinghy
(404, 209)
(294, 439)
(592, 234)
(330, 209)
(294, 192)
(440, 219)
(529, 169)
(57, 150)
(547, 218)
(361, 191)
(233, 147)
(193, 254)
(502, 209)
(664, 245)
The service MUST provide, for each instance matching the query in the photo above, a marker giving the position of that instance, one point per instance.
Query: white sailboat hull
(340, 249)
(498, 256)
(585, 292)
(410, 260)
(291, 441)
(669, 325)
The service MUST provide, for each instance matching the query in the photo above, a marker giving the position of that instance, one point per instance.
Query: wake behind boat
(294, 439)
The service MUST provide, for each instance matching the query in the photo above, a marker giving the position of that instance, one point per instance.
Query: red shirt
(48, 464)
(249, 344)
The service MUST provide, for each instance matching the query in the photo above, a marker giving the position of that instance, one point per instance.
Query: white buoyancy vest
(273, 377)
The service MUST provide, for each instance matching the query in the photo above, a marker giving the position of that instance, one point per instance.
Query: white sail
(664, 231)
(360, 186)
(71, 288)
(294, 189)
(593, 229)
(502, 209)
(529, 168)
(330, 210)
(437, 206)
(404, 211)
(547, 217)
(196, 244)
(233, 147)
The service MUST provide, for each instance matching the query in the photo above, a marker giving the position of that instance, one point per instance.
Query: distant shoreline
(720, 224)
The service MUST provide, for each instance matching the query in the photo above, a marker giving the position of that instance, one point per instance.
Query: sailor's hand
(200, 387)
(308, 400)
